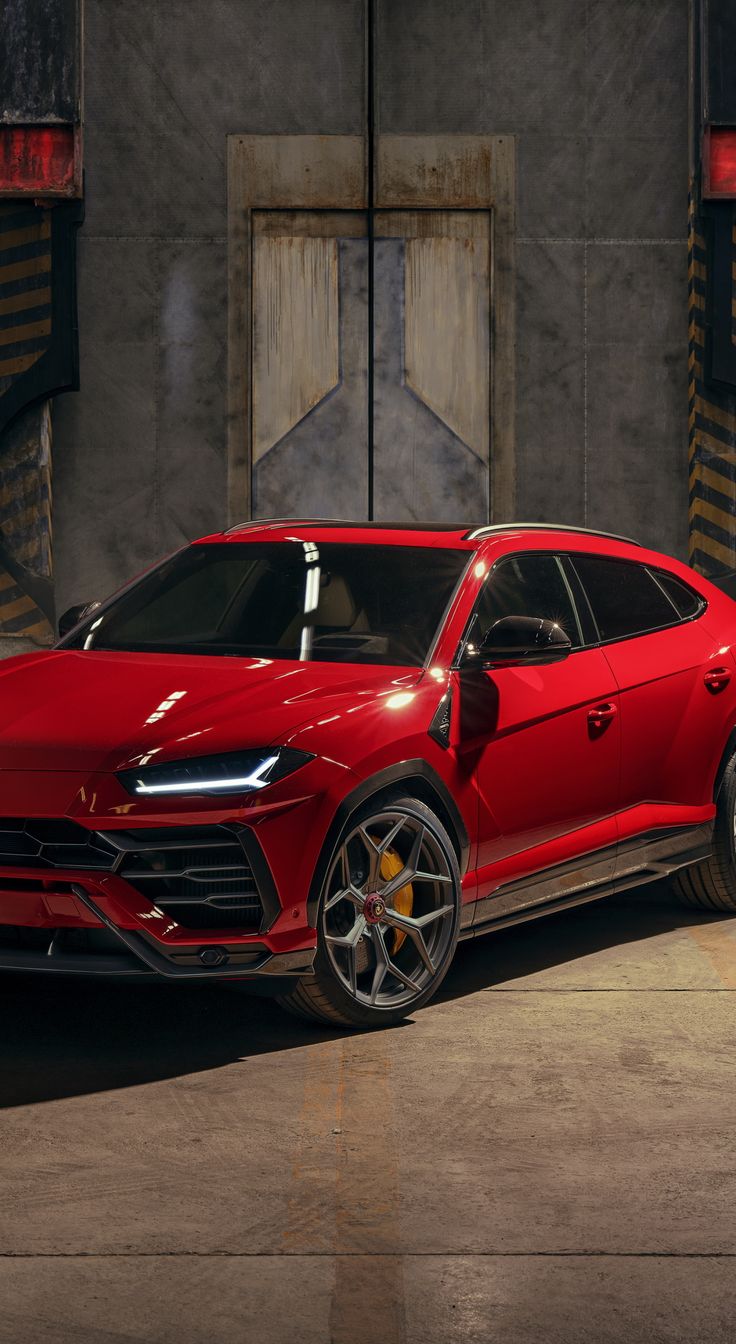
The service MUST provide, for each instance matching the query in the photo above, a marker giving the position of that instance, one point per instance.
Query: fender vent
(439, 728)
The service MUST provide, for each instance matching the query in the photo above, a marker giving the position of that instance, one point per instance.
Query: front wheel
(388, 918)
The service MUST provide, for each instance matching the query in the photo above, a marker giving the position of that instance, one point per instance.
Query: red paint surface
(533, 784)
(38, 160)
(719, 160)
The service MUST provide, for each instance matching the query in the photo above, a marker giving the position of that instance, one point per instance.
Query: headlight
(233, 772)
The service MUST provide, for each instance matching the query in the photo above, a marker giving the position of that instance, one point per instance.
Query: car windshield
(320, 602)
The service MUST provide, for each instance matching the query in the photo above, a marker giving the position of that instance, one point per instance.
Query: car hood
(98, 710)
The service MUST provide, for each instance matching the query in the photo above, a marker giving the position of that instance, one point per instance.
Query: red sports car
(312, 755)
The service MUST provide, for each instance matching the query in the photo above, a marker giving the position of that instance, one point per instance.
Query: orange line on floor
(368, 1204)
(719, 944)
(345, 1197)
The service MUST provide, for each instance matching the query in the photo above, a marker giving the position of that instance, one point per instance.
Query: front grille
(33, 843)
(197, 875)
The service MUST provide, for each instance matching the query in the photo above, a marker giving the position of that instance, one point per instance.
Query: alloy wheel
(388, 912)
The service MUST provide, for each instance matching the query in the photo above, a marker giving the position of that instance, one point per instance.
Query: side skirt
(645, 859)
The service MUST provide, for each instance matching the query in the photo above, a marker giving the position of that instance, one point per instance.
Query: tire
(711, 884)
(384, 944)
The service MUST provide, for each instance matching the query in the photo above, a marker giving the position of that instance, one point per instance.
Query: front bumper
(136, 955)
(94, 883)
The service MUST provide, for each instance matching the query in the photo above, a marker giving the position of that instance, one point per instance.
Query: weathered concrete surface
(546, 1153)
(11, 646)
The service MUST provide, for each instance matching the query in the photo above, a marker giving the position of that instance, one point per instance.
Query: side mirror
(522, 639)
(73, 615)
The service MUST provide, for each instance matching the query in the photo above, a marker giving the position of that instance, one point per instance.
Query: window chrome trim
(702, 602)
(561, 557)
(638, 634)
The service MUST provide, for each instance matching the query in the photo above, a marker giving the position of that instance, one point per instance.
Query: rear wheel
(388, 918)
(711, 885)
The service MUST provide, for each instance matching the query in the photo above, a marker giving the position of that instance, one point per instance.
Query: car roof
(391, 533)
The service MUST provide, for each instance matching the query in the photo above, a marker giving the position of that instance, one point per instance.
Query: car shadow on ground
(64, 1038)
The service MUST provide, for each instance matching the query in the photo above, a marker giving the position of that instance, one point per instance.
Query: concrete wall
(595, 90)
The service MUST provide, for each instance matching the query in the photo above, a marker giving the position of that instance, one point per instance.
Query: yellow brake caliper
(403, 900)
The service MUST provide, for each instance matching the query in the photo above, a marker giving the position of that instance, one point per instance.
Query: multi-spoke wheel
(388, 918)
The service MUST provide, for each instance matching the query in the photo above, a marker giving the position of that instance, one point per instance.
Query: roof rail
(491, 528)
(280, 522)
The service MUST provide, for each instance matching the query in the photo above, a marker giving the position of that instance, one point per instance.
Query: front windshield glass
(320, 602)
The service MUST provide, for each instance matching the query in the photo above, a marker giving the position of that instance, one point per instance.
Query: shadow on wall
(66, 1038)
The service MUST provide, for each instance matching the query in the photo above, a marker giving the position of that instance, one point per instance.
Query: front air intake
(198, 875)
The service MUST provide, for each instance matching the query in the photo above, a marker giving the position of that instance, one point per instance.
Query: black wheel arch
(416, 778)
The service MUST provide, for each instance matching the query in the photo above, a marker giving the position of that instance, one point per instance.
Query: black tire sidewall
(724, 842)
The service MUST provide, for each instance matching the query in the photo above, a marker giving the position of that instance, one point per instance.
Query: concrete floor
(544, 1154)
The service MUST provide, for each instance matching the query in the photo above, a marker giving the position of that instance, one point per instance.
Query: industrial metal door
(370, 383)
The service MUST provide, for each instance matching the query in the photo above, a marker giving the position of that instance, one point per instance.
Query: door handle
(600, 716)
(717, 679)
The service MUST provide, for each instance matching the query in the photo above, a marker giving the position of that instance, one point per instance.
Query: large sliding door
(371, 352)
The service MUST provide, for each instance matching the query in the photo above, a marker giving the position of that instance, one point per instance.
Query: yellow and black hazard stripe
(20, 616)
(26, 592)
(25, 289)
(712, 429)
(38, 357)
(26, 601)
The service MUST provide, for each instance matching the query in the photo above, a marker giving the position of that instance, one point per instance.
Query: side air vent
(198, 875)
(439, 728)
(201, 876)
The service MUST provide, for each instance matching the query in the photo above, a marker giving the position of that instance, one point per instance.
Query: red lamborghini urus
(313, 755)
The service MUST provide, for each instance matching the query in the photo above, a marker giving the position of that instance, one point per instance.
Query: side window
(624, 597)
(528, 585)
(688, 602)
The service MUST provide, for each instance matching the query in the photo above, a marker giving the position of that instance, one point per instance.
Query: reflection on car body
(313, 755)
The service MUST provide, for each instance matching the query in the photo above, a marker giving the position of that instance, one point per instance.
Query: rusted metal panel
(719, 86)
(296, 353)
(470, 172)
(40, 64)
(432, 224)
(309, 224)
(272, 172)
(434, 171)
(39, 161)
(446, 333)
(310, 172)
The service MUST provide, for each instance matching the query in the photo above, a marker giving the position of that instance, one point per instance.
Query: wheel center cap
(374, 908)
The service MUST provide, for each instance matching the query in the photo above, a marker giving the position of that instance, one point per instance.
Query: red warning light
(719, 163)
(38, 161)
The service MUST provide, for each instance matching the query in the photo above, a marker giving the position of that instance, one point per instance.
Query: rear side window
(687, 601)
(624, 597)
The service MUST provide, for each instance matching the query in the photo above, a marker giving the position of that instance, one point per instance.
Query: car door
(670, 676)
(544, 744)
